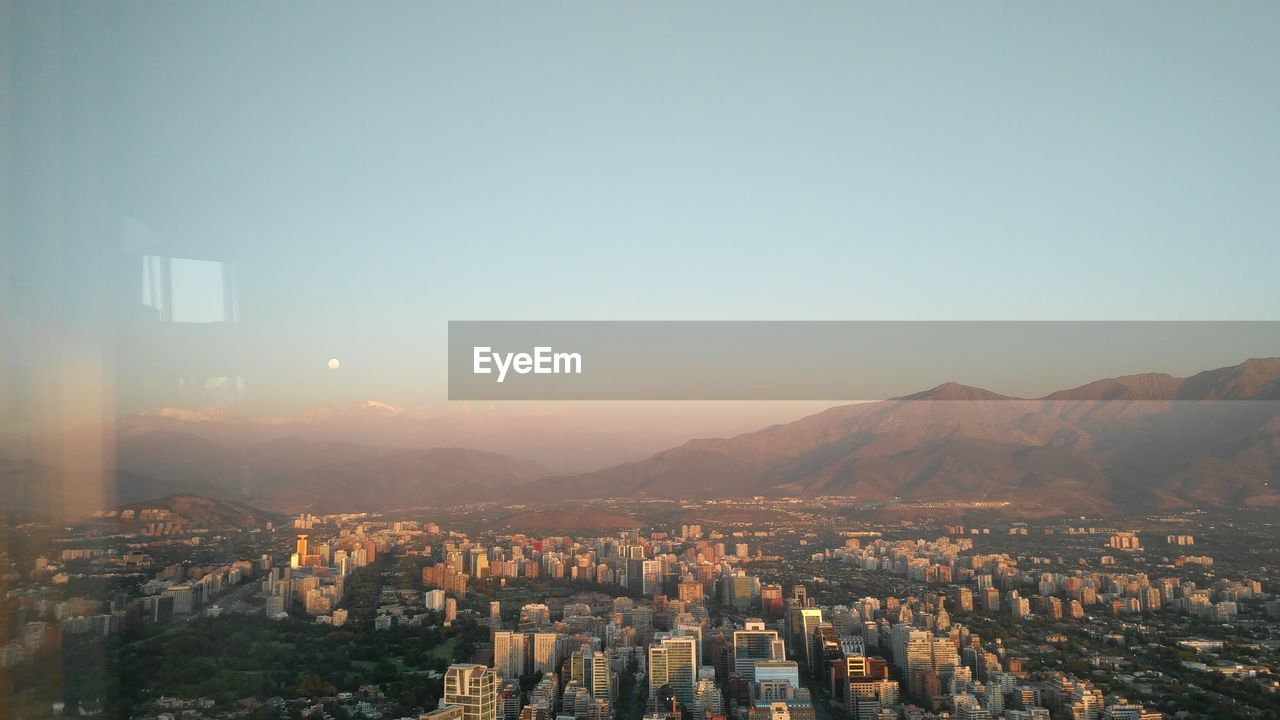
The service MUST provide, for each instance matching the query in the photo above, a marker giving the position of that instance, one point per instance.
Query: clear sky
(373, 170)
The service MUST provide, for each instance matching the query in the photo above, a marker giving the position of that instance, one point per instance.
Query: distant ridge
(1147, 386)
(1253, 379)
(1114, 443)
(1148, 440)
(956, 391)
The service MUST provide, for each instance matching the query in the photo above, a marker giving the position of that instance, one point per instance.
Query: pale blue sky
(374, 170)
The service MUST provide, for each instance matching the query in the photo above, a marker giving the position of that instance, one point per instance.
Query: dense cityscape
(764, 609)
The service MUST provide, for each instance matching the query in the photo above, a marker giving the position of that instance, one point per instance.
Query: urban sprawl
(799, 615)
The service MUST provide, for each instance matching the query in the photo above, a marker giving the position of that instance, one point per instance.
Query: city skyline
(809, 612)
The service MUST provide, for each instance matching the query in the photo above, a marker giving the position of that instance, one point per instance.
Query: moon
(334, 364)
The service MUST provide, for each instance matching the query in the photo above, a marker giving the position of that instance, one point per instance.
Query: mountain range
(1149, 440)
(559, 442)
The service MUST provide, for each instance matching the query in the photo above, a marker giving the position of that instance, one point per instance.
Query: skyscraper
(754, 643)
(810, 619)
(946, 658)
(912, 652)
(509, 654)
(600, 678)
(474, 688)
(650, 576)
(673, 662)
(546, 652)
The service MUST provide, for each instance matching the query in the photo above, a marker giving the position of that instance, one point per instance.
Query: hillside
(555, 441)
(285, 475)
(1145, 440)
(198, 512)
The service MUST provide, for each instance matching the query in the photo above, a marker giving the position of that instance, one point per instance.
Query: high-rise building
(771, 601)
(475, 688)
(690, 591)
(1086, 702)
(183, 598)
(694, 631)
(509, 700)
(826, 649)
(810, 619)
(578, 667)
(1126, 540)
(546, 693)
(673, 661)
(945, 658)
(740, 590)
(642, 621)
(754, 643)
(651, 576)
(276, 607)
(509, 653)
(535, 615)
(912, 652)
(857, 682)
(546, 652)
(707, 698)
(599, 677)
